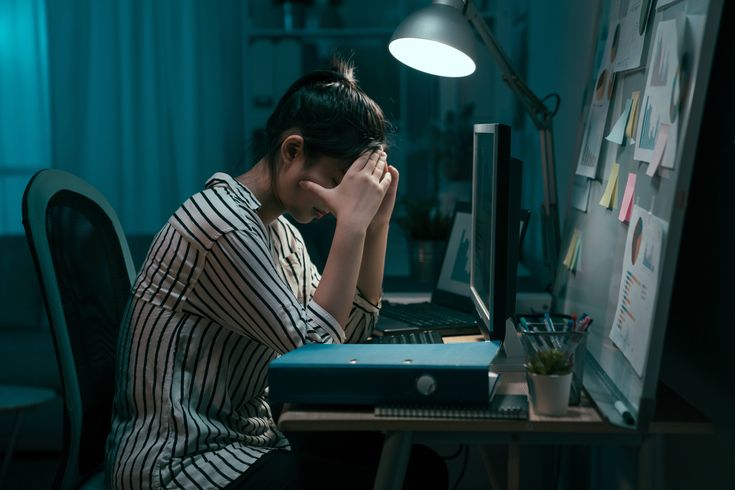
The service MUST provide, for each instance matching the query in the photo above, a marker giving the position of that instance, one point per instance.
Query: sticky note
(577, 259)
(627, 205)
(610, 195)
(658, 150)
(630, 128)
(581, 193)
(570, 251)
(617, 134)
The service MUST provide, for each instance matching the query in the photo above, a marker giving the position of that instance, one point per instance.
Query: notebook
(450, 307)
(502, 407)
(450, 310)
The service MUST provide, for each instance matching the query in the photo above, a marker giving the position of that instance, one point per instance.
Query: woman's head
(332, 114)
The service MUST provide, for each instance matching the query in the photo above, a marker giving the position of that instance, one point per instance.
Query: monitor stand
(511, 355)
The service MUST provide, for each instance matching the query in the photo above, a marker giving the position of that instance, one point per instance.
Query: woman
(227, 286)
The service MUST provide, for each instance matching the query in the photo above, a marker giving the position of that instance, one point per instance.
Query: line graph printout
(659, 103)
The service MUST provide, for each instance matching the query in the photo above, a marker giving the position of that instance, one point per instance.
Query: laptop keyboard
(417, 337)
(426, 315)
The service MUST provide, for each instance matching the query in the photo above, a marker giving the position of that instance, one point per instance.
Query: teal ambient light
(438, 40)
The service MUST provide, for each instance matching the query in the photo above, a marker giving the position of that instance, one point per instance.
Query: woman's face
(303, 204)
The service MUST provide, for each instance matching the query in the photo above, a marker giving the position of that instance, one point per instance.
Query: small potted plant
(428, 229)
(549, 375)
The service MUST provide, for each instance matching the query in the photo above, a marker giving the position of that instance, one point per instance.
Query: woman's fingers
(385, 183)
(381, 165)
(311, 186)
(373, 161)
(361, 162)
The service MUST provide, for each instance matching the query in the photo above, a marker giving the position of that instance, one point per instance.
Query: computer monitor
(496, 207)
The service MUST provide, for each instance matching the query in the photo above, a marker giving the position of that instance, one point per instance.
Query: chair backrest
(86, 272)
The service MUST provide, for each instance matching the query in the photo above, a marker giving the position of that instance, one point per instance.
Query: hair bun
(345, 69)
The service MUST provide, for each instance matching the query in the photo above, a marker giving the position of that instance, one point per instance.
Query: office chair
(86, 272)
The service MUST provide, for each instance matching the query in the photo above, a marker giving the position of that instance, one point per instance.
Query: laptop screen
(453, 286)
(455, 272)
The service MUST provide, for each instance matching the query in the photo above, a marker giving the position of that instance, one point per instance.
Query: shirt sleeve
(240, 289)
(363, 315)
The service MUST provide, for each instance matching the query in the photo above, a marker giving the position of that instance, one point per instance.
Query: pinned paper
(577, 259)
(571, 250)
(581, 193)
(627, 205)
(659, 103)
(610, 195)
(630, 128)
(658, 151)
(617, 135)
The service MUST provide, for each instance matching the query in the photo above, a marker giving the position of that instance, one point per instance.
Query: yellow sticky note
(609, 197)
(576, 264)
(570, 251)
(633, 115)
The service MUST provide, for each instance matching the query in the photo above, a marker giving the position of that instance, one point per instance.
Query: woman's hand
(382, 216)
(361, 192)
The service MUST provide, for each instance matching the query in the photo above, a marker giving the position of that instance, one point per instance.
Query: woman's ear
(292, 149)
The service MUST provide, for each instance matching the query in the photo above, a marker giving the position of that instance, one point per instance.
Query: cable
(558, 102)
(558, 454)
(452, 456)
(464, 466)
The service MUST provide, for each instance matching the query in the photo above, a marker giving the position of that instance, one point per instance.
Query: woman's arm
(370, 282)
(354, 202)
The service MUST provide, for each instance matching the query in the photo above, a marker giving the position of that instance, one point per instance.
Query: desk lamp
(438, 40)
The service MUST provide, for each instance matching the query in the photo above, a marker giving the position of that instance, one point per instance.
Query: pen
(524, 324)
(627, 417)
(548, 322)
(583, 326)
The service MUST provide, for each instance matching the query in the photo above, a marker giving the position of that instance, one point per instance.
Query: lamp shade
(437, 40)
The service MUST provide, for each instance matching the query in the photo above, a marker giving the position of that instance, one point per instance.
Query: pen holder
(572, 344)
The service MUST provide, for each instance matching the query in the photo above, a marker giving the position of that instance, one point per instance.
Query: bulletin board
(628, 195)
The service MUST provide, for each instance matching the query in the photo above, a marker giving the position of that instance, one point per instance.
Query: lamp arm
(542, 120)
(540, 114)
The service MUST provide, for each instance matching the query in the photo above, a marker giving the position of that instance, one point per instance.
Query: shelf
(377, 32)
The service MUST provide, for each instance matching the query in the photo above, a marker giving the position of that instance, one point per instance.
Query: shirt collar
(221, 179)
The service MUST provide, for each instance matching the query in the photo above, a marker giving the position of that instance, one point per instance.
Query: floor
(30, 471)
(35, 471)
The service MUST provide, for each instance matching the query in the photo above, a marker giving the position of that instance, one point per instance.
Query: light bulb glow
(432, 57)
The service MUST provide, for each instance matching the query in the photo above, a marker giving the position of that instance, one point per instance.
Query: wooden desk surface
(581, 420)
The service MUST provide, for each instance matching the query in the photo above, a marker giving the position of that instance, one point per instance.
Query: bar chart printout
(631, 327)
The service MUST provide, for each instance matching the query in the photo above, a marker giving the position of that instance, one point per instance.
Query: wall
(551, 45)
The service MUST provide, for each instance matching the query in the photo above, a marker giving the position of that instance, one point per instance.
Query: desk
(582, 425)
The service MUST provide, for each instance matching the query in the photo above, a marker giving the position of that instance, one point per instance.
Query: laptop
(450, 310)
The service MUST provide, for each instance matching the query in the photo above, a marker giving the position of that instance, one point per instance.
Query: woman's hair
(331, 112)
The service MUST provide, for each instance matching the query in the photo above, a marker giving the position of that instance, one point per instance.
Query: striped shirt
(219, 296)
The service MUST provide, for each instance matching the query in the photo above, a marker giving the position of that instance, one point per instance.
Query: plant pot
(426, 260)
(549, 393)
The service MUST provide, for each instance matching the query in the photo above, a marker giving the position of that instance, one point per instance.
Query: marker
(627, 417)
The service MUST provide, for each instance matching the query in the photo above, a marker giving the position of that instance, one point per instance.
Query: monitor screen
(496, 188)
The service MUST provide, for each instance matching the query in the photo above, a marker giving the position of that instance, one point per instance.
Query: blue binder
(370, 374)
